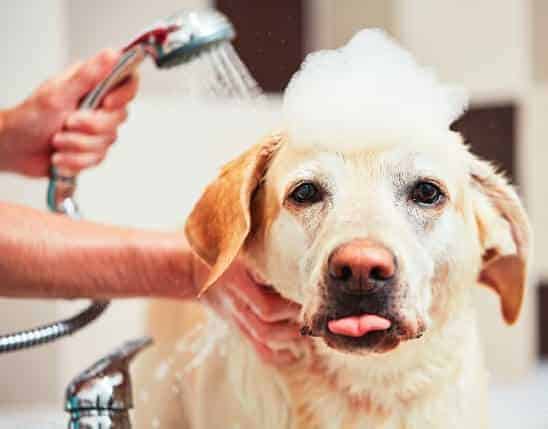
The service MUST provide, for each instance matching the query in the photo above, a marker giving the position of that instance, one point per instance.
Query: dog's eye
(426, 193)
(306, 193)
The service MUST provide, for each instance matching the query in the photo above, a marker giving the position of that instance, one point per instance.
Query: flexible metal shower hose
(45, 334)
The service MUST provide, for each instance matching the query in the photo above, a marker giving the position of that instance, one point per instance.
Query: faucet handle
(106, 385)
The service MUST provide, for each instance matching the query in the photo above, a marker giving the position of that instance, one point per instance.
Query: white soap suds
(162, 370)
(369, 88)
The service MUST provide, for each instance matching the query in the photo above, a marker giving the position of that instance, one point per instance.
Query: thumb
(83, 77)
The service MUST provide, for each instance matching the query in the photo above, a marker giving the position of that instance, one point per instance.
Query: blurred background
(498, 50)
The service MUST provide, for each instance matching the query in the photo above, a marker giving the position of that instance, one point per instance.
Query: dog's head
(378, 243)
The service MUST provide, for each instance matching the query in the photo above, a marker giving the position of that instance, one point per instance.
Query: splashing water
(220, 73)
(217, 73)
(189, 352)
(196, 344)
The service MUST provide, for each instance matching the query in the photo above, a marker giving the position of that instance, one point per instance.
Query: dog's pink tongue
(358, 326)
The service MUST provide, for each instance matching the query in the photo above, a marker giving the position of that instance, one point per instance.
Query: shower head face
(195, 32)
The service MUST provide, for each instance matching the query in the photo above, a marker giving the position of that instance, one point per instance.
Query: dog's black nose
(361, 265)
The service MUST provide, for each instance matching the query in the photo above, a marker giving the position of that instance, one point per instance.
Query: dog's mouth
(363, 333)
(361, 325)
(358, 326)
(355, 333)
(360, 333)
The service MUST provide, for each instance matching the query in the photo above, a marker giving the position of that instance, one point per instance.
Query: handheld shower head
(170, 42)
(193, 33)
(184, 35)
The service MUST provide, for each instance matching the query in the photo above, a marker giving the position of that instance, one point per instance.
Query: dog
(381, 240)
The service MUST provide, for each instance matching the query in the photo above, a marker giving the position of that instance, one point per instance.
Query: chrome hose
(47, 333)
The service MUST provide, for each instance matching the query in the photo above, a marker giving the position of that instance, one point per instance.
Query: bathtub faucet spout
(101, 397)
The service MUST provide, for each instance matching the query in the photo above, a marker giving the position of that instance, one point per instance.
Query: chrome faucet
(101, 396)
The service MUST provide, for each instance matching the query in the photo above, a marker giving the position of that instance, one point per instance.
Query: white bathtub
(521, 405)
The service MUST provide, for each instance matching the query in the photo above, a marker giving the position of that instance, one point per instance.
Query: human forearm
(46, 255)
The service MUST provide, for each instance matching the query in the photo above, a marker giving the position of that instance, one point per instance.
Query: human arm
(45, 255)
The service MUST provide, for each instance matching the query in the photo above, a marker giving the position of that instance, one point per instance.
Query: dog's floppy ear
(221, 220)
(505, 237)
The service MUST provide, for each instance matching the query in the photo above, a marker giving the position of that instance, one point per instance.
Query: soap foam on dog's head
(371, 88)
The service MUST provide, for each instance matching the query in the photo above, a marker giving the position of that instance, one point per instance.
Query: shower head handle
(62, 184)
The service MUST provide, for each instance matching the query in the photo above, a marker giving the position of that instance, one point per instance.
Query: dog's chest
(316, 403)
(249, 394)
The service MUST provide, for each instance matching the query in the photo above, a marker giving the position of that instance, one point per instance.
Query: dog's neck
(378, 384)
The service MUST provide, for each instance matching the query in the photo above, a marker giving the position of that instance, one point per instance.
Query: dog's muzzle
(361, 288)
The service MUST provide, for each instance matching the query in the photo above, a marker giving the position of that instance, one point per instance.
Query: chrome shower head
(184, 35)
(198, 31)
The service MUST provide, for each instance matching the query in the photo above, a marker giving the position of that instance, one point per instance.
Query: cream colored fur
(436, 381)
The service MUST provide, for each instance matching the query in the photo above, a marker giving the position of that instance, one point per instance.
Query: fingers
(71, 163)
(263, 331)
(96, 121)
(85, 141)
(68, 141)
(83, 77)
(267, 305)
(262, 315)
(271, 341)
(122, 95)
(268, 355)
